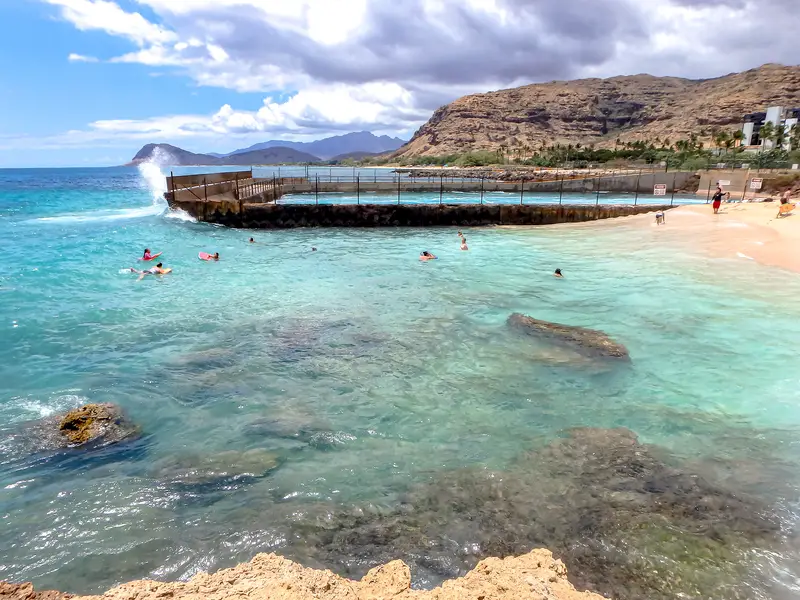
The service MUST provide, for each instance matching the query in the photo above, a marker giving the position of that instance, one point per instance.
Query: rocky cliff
(599, 111)
(534, 576)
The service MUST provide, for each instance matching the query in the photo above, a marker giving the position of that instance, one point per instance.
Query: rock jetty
(587, 341)
(533, 576)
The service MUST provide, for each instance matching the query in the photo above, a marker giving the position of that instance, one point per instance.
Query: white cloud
(109, 17)
(81, 58)
(386, 64)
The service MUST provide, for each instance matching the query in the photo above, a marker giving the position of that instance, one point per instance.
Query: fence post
(358, 189)
(708, 195)
(398, 188)
(481, 189)
(205, 188)
(744, 191)
(597, 203)
(672, 200)
(172, 184)
(521, 191)
(316, 190)
(441, 188)
(561, 189)
(638, 179)
(375, 175)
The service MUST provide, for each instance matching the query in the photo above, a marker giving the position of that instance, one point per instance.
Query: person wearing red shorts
(717, 199)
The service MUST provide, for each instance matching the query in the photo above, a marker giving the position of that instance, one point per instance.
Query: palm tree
(738, 136)
(794, 137)
(721, 139)
(767, 132)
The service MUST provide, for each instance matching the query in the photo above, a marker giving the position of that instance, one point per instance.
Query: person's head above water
(216, 255)
(425, 253)
(159, 265)
(558, 273)
(252, 240)
(147, 250)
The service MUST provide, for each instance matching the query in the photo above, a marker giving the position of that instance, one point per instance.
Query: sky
(88, 82)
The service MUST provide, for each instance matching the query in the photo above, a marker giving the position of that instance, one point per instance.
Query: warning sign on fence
(724, 182)
(755, 184)
(660, 189)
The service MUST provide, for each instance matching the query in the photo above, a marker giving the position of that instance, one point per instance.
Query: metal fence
(632, 187)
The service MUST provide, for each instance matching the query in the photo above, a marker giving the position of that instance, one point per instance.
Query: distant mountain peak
(280, 151)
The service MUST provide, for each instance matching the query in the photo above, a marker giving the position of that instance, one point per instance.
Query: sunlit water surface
(408, 368)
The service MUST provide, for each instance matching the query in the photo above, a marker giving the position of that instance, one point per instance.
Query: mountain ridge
(338, 147)
(167, 154)
(601, 111)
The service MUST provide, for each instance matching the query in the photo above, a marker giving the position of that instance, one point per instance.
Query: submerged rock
(588, 341)
(219, 467)
(534, 576)
(625, 522)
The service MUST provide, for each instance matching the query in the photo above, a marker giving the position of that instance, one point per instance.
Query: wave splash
(152, 179)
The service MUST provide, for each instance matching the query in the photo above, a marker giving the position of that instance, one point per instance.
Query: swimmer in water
(425, 255)
(313, 249)
(157, 270)
(252, 241)
(558, 273)
(464, 243)
(214, 256)
(147, 255)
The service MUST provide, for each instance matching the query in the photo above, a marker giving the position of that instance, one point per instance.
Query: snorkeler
(425, 255)
(558, 273)
(157, 270)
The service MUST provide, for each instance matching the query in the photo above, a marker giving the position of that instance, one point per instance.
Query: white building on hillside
(779, 116)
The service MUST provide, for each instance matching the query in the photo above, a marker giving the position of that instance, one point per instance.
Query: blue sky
(88, 82)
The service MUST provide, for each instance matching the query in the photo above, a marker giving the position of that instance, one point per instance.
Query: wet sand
(745, 231)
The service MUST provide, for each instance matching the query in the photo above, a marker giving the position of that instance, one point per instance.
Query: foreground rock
(90, 426)
(100, 423)
(534, 576)
(588, 341)
(25, 591)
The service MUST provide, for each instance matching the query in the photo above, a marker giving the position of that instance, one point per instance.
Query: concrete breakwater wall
(287, 216)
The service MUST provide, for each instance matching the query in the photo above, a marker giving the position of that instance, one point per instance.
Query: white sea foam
(152, 178)
(740, 255)
(179, 215)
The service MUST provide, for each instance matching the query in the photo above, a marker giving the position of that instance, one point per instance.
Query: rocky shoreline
(533, 576)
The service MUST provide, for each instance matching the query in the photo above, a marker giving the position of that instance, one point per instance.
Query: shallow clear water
(408, 367)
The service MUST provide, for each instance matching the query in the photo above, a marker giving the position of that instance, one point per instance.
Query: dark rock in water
(625, 522)
(588, 341)
(215, 468)
(91, 426)
(101, 423)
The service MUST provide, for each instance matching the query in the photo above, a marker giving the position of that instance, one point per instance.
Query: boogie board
(152, 257)
(166, 271)
(205, 256)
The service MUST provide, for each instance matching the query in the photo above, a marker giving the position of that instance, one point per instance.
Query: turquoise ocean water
(407, 369)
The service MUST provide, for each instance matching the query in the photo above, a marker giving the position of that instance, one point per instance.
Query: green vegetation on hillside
(689, 154)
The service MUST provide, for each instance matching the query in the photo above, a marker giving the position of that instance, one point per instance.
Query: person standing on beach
(717, 199)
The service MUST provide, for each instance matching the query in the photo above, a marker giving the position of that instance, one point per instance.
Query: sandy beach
(748, 231)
